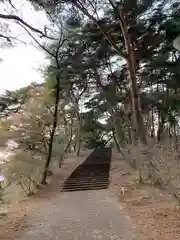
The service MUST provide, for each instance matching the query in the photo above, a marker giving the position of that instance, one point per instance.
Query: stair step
(93, 174)
(87, 184)
(100, 171)
(84, 188)
(83, 185)
(87, 179)
(97, 174)
(96, 163)
(94, 178)
(90, 177)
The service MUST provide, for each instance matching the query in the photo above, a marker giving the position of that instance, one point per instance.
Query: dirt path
(14, 224)
(101, 214)
(92, 214)
(81, 215)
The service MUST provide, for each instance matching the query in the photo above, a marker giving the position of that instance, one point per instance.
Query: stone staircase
(92, 174)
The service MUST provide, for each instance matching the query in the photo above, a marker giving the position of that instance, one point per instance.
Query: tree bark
(131, 66)
(129, 133)
(78, 133)
(78, 143)
(152, 124)
(119, 133)
(46, 168)
(65, 125)
(175, 137)
(161, 120)
(131, 62)
(115, 140)
(134, 136)
(69, 142)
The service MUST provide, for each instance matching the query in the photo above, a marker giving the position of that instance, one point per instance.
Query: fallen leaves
(153, 210)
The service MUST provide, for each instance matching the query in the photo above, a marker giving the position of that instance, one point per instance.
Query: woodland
(113, 80)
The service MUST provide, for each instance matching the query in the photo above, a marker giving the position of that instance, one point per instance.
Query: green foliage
(92, 73)
(13, 100)
(93, 140)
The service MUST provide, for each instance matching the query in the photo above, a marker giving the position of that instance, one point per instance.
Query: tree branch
(6, 37)
(40, 45)
(81, 7)
(48, 108)
(20, 20)
(9, 38)
(11, 4)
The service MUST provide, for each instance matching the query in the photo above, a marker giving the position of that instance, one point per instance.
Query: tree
(6, 18)
(33, 128)
(115, 64)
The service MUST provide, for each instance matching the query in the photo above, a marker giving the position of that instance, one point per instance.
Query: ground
(145, 207)
(81, 215)
(153, 210)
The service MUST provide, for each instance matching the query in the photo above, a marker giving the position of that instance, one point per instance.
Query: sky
(20, 64)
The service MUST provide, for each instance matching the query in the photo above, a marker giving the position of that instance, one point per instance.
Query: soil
(13, 224)
(153, 210)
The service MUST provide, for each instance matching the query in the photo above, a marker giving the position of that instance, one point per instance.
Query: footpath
(85, 210)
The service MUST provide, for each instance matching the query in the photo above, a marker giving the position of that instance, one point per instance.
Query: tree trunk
(65, 125)
(46, 168)
(115, 140)
(170, 138)
(78, 143)
(69, 142)
(129, 133)
(136, 107)
(78, 136)
(152, 124)
(175, 137)
(117, 127)
(119, 133)
(66, 148)
(161, 120)
(75, 145)
(133, 130)
(78, 147)
(131, 65)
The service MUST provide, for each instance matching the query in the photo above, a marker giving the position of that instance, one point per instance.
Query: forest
(113, 79)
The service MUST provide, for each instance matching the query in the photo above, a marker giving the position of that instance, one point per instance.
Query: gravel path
(83, 215)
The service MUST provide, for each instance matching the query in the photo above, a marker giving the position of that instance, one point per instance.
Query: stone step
(81, 188)
(86, 180)
(90, 178)
(93, 167)
(93, 174)
(94, 170)
(85, 183)
(97, 162)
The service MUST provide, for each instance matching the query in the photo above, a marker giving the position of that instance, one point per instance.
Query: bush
(159, 165)
(3, 188)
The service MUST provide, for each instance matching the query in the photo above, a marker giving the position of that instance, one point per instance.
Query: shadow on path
(92, 174)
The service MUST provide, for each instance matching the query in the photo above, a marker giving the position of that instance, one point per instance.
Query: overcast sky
(20, 64)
